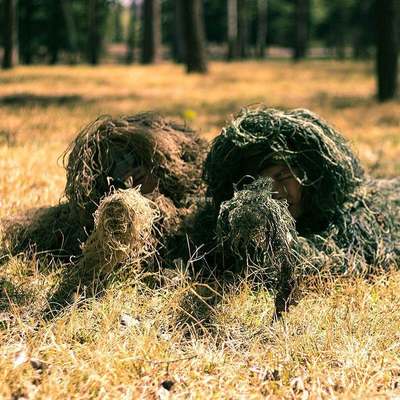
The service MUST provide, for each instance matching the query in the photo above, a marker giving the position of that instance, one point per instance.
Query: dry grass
(341, 341)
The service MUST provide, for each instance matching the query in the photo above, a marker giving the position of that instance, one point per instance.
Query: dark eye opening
(284, 178)
(244, 180)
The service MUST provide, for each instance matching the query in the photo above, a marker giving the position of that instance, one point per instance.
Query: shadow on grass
(71, 285)
(75, 284)
(51, 238)
(342, 102)
(10, 294)
(68, 100)
(34, 100)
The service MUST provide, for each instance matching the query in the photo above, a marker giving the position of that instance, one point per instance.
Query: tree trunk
(94, 36)
(10, 54)
(262, 13)
(118, 34)
(340, 46)
(361, 44)
(232, 11)
(131, 40)
(195, 53)
(25, 34)
(178, 49)
(387, 48)
(151, 45)
(341, 29)
(243, 28)
(302, 19)
(71, 29)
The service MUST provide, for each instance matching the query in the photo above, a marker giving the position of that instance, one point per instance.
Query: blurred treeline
(52, 31)
(192, 31)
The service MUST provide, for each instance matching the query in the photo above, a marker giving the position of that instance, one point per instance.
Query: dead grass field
(341, 341)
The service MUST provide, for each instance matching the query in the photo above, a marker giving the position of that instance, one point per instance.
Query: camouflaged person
(291, 200)
(131, 182)
(140, 177)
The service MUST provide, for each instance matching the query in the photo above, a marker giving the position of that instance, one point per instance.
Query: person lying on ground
(290, 199)
(130, 182)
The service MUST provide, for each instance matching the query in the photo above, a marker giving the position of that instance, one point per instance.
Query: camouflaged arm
(260, 234)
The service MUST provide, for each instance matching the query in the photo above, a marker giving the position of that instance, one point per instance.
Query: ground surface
(342, 341)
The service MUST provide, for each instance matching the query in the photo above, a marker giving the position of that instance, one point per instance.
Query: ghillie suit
(124, 232)
(44, 231)
(105, 215)
(350, 222)
(102, 162)
(104, 152)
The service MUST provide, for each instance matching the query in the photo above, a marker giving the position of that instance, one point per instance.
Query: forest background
(48, 31)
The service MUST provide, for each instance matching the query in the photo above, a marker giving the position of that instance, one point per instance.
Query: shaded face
(286, 187)
(140, 176)
(126, 176)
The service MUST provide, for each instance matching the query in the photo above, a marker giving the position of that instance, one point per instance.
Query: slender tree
(118, 31)
(387, 12)
(131, 39)
(195, 53)
(178, 45)
(25, 31)
(262, 13)
(72, 35)
(301, 28)
(94, 35)
(362, 20)
(151, 35)
(232, 11)
(338, 21)
(243, 28)
(9, 33)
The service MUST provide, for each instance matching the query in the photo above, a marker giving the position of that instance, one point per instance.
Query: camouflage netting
(364, 237)
(350, 224)
(105, 150)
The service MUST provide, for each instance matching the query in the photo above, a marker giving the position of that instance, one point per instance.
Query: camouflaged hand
(259, 231)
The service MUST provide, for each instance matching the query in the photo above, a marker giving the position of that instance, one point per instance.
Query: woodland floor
(341, 341)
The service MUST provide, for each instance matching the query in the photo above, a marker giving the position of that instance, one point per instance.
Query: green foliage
(345, 23)
(44, 32)
(35, 42)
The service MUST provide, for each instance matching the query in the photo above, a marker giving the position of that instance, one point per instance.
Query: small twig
(159, 361)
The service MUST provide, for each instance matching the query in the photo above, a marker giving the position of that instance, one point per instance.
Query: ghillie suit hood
(172, 153)
(316, 153)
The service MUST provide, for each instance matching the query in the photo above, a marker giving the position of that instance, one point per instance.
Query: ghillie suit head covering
(124, 232)
(107, 148)
(316, 153)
